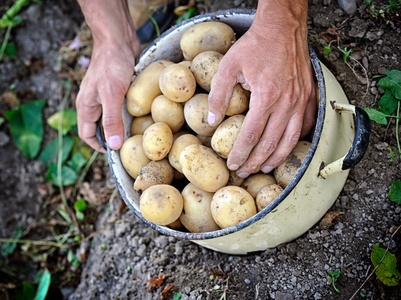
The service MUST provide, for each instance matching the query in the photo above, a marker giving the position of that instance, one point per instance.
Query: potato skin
(206, 36)
(266, 195)
(177, 83)
(232, 205)
(155, 172)
(169, 112)
(204, 168)
(139, 124)
(144, 88)
(161, 204)
(196, 215)
(285, 172)
(234, 179)
(178, 145)
(239, 101)
(255, 182)
(157, 141)
(132, 155)
(204, 67)
(224, 137)
(195, 113)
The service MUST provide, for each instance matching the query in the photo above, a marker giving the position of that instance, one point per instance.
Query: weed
(10, 20)
(388, 109)
(334, 275)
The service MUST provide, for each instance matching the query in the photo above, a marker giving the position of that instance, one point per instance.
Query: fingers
(88, 113)
(220, 92)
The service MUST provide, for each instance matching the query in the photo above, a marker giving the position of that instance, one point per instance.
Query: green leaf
(177, 296)
(68, 175)
(43, 286)
(64, 215)
(1, 121)
(26, 127)
(395, 192)
(80, 205)
(376, 115)
(387, 103)
(8, 248)
(327, 50)
(10, 50)
(77, 162)
(27, 293)
(69, 120)
(392, 83)
(50, 152)
(387, 271)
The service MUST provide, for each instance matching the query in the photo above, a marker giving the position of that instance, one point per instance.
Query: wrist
(110, 23)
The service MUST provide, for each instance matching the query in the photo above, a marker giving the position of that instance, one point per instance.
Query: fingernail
(211, 118)
(243, 174)
(233, 167)
(267, 169)
(114, 142)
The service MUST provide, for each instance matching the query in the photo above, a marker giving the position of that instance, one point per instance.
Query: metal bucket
(340, 139)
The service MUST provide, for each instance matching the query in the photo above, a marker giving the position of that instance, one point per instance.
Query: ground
(124, 253)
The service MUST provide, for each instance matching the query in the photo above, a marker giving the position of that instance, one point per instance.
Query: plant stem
(6, 38)
(36, 243)
(397, 134)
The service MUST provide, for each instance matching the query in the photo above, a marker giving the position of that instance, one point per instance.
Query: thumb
(112, 121)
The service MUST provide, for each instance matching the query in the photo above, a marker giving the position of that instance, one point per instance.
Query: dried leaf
(164, 292)
(327, 221)
(331, 34)
(155, 282)
(218, 274)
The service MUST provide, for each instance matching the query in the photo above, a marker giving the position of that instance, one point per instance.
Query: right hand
(102, 93)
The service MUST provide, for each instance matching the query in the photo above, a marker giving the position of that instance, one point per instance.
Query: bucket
(340, 139)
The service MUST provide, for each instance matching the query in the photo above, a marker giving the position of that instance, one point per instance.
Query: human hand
(108, 77)
(272, 61)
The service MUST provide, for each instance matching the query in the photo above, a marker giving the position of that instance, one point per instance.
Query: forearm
(109, 21)
(282, 13)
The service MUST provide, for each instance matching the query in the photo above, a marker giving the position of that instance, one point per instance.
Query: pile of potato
(177, 159)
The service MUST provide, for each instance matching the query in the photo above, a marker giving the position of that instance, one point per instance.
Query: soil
(125, 254)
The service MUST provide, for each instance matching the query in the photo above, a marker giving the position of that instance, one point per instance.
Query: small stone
(247, 281)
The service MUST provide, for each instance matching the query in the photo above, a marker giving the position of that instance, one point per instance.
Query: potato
(239, 101)
(176, 225)
(169, 112)
(204, 67)
(232, 205)
(132, 155)
(234, 179)
(196, 215)
(285, 172)
(157, 141)
(155, 172)
(144, 88)
(186, 63)
(206, 140)
(225, 135)
(204, 168)
(161, 204)
(255, 182)
(139, 124)
(177, 83)
(206, 36)
(266, 195)
(178, 145)
(195, 113)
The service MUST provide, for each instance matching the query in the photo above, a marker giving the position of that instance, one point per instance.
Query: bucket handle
(100, 134)
(359, 146)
